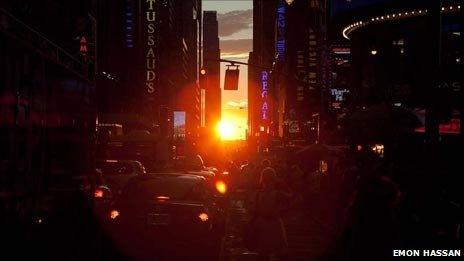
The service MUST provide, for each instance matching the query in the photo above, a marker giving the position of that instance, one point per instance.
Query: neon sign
(151, 59)
(312, 60)
(129, 25)
(280, 41)
(301, 72)
(264, 92)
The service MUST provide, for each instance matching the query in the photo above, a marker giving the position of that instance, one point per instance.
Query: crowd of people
(372, 204)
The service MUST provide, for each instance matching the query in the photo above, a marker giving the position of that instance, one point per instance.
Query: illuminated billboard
(179, 125)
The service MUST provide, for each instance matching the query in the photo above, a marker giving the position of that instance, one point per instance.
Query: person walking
(372, 220)
(266, 228)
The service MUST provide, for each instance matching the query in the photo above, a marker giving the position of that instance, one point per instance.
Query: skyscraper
(211, 55)
(153, 50)
(264, 30)
(47, 93)
(288, 39)
(186, 68)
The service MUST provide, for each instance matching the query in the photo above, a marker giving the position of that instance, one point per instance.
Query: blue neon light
(280, 41)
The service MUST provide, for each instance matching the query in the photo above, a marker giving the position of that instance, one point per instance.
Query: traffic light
(203, 78)
(231, 79)
(203, 71)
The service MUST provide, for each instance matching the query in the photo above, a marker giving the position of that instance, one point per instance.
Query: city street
(228, 130)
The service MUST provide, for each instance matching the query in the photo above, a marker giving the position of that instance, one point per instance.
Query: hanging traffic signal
(231, 78)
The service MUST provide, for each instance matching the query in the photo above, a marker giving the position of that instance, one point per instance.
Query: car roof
(170, 175)
(118, 161)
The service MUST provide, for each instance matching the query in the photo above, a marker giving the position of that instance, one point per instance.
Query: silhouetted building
(261, 102)
(211, 55)
(400, 58)
(47, 96)
(290, 39)
(151, 52)
(188, 55)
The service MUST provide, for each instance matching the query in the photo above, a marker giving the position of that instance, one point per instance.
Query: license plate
(158, 219)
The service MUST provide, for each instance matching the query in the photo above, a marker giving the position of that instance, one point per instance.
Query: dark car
(194, 165)
(64, 210)
(116, 173)
(170, 212)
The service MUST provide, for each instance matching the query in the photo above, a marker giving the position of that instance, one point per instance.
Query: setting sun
(230, 130)
(226, 130)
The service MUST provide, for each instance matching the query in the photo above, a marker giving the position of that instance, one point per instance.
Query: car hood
(203, 173)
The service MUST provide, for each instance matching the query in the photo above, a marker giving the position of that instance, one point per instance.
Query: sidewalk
(310, 233)
(233, 247)
(309, 237)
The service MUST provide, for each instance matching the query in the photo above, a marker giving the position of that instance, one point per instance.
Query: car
(64, 207)
(116, 173)
(193, 164)
(165, 210)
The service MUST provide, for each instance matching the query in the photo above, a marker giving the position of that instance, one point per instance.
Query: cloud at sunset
(238, 48)
(235, 21)
(237, 104)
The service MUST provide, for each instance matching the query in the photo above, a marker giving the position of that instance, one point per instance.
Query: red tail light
(203, 217)
(162, 198)
(114, 214)
(99, 193)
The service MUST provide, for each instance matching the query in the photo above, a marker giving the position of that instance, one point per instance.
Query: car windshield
(172, 188)
(194, 162)
(116, 168)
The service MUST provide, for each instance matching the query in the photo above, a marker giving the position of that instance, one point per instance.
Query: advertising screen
(179, 125)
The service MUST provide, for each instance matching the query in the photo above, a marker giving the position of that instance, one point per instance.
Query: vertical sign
(301, 72)
(151, 44)
(264, 95)
(312, 60)
(129, 25)
(280, 36)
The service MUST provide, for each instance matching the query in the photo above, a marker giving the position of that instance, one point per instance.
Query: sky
(235, 19)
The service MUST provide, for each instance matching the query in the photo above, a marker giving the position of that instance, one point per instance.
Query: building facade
(407, 54)
(290, 40)
(211, 56)
(151, 50)
(47, 94)
(261, 102)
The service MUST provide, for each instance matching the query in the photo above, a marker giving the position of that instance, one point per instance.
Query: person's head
(265, 163)
(268, 178)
